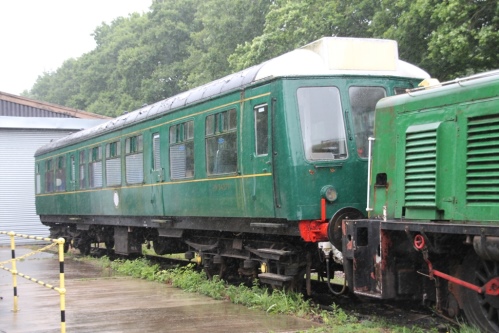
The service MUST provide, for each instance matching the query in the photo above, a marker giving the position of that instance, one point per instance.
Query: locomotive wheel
(334, 227)
(481, 310)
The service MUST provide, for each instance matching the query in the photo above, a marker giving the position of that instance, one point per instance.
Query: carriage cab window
(322, 123)
(60, 174)
(95, 167)
(221, 142)
(134, 160)
(363, 103)
(182, 150)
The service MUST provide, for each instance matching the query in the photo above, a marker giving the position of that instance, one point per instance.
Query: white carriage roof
(342, 56)
(326, 56)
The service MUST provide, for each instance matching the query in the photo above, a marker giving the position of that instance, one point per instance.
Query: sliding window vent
(421, 165)
(482, 160)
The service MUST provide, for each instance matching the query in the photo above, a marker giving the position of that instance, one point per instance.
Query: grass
(259, 297)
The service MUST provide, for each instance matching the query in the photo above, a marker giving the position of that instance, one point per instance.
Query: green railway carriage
(246, 171)
(434, 201)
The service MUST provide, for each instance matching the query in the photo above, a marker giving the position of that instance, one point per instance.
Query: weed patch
(256, 297)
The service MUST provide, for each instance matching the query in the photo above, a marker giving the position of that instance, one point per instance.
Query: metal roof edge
(21, 100)
(48, 123)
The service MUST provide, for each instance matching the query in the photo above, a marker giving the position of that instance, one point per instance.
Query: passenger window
(73, 172)
(182, 150)
(363, 103)
(261, 129)
(113, 164)
(210, 124)
(95, 167)
(221, 143)
(156, 152)
(38, 178)
(322, 124)
(134, 160)
(60, 174)
(83, 178)
(49, 176)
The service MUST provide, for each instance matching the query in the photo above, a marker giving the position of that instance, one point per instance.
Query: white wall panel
(17, 181)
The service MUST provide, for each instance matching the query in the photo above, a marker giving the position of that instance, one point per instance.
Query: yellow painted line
(155, 184)
(239, 101)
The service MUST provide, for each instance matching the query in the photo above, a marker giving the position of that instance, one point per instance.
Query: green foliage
(221, 26)
(177, 45)
(139, 268)
(448, 38)
(294, 23)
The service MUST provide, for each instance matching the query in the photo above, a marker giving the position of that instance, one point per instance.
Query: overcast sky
(36, 36)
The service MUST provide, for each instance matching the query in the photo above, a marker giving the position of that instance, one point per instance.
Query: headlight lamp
(329, 192)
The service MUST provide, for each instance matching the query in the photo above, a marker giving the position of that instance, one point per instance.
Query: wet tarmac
(97, 301)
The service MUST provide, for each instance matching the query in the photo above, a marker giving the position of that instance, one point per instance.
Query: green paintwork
(282, 184)
(439, 149)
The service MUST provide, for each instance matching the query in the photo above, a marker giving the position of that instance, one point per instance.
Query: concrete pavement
(98, 301)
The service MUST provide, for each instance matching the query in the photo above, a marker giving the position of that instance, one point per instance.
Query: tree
(448, 38)
(178, 45)
(220, 26)
(465, 40)
(137, 60)
(294, 23)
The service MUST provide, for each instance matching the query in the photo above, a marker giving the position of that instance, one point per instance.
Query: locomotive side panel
(440, 163)
(434, 198)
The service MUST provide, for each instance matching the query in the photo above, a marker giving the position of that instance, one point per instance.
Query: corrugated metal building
(17, 106)
(25, 125)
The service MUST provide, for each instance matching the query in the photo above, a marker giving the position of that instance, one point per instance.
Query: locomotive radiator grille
(420, 167)
(482, 160)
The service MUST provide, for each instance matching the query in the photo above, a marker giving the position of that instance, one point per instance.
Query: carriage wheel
(214, 269)
(67, 242)
(160, 246)
(109, 245)
(84, 245)
(481, 310)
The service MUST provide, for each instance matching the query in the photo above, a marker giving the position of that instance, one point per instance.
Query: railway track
(407, 314)
(164, 262)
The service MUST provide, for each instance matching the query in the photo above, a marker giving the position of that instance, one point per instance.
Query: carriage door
(261, 187)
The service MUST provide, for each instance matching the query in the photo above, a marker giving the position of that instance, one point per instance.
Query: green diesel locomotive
(249, 172)
(434, 202)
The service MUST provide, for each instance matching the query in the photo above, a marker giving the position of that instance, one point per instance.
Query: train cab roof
(437, 94)
(325, 57)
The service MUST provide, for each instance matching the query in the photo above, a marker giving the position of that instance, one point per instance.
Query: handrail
(369, 166)
(61, 289)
